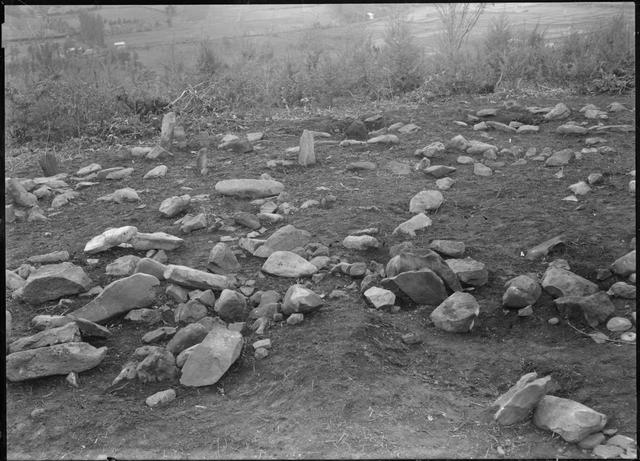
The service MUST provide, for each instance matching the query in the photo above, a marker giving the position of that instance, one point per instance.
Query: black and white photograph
(320, 231)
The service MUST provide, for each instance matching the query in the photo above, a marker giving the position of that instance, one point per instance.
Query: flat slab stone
(59, 359)
(155, 241)
(211, 359)
(54, 281)
(249, 188)
(49, 258)
(284, 239)
(119, 297)
(64, 334)
(595, 308)
(187, 276)
(110, 238)
(416, 223)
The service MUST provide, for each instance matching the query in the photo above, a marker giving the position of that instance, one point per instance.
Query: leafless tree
(458, 20)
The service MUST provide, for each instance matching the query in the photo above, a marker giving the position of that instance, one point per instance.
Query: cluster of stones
(571, 420)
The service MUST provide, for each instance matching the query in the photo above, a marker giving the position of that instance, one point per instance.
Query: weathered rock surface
(119, 297)
(64, 334)
(187, 276)
(469, 271)
(559, 158)
(59, 359)
(560, 111)
(13, 280)
(54, 281)
(211, 359)
(155, 241)
(284, 239)
(422, 286)
(416, 223)
(541, 250)
(190, 312)
(186, 337)
(569, 419)
(231, 306)
(622, 290)
(439, 171)
(49, 258)
(158, 172)
(249, 188)
(288, 264)
(450, 248)
(595, 308)
(426, 200)
(299, 299)
(222, 260)
(172, 206)
(560, 282)
(379, 297)
(518, 402)
(457, 313)
(124, 265)
(110, 238)
(409, 261)
(521, 291)
(625, 265)
(306, 154)
(150, 266)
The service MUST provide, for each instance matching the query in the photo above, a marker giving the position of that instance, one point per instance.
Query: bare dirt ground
(342, 384)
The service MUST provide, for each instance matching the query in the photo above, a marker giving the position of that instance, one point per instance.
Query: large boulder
(59, 359)
(560, 282)
(288, 264)
(54, 281)
(119, 297)
(249, 188)
(515, 405)
(422, 286)
(457, 313)
(300, 299)
(211, 359)
(571, 420)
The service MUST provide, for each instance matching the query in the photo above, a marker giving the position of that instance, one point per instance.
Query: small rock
(295, 319)
(411, 338)
(299, 299)
(628, 337)
(516, 404)
(426, 200)
(579, 188)
(469, 271)
(450, 248)
(379, 297)
(618, 324)
(481, 170)
(160, 398)
(608, 451)
(172, 206)
(457, 313)
(553, 321)
(622, 290)
(409, 227)
(625, 265)
(592, 441)
(439, 171)
(464, 160)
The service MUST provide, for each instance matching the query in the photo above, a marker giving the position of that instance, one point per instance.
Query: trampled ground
(342, 384)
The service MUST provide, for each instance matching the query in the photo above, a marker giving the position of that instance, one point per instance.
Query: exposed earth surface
(342, 384)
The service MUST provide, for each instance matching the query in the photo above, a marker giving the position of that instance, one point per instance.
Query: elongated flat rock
(49, 258)
(249, 188)
(65, 334)
(211, 359)
(60, 359)
(457, 313)
(119, 297)
(155, 241)
(54, 281)
(110, 238)
(187, 276)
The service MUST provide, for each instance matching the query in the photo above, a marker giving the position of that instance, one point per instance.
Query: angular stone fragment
(416, 223)
(59, 359)
(158, 365)
(158, 334)
(439, 171)
(569, 419)
(299, 299)
(54, 281)
(150, 266)
(124, 265)
(457, 313)
(172, 206)
(158, 172)
(426, 200)
(187, 276)
(189, 312)
(559, 158)
(379, 297)
(19, 194)
(622, 290)
(451, 248)
(543, 248)
(421, 287)
(409, 261)
(625, 265)
(469, 271)
(231, 306)
(222, 260)
(518, 402)
(13, 281)
(211, 359)
(119, 297)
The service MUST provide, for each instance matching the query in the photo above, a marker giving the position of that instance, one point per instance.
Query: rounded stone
(618, 324)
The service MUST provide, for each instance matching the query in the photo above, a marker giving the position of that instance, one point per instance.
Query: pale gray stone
(515, 405)
(172, 206)
(231, 306)
(457, 313)
(64, 334)
(426, 200)
(416, 223)
(299, 299)
(379, 297)
(559, 282)
(569, 419)
(54, 281)
(288, 264)
(187, 276)
(521, 291)
(249, 188)
(123, 266)
(110, 238)
(469, 271)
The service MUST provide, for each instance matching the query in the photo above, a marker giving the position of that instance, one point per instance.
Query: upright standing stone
(166, 133)
(307, 155)
(515, 405)
(49, 164)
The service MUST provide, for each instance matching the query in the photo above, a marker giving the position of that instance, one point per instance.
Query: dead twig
(607, 339)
